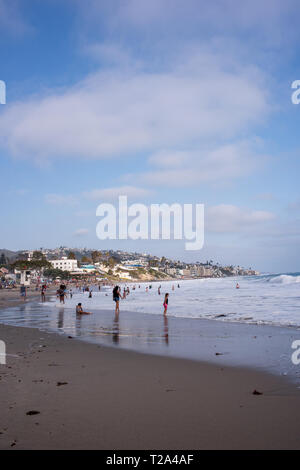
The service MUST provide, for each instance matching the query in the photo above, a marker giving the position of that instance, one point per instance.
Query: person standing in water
(165, 304)
(116, 298)
(23, 292)
(43, 290)
(61, 294)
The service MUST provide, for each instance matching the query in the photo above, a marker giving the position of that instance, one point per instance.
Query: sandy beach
(95, 397)
(12, 297)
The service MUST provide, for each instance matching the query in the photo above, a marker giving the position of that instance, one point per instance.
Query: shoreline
(12, 297)
(98, 397)
(110, 396)
(259, 347)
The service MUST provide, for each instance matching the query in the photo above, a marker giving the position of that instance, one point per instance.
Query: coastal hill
(113, 265)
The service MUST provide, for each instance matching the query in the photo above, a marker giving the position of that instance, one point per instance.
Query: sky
(167, 101)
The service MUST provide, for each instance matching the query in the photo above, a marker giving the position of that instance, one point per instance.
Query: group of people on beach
(117, 296)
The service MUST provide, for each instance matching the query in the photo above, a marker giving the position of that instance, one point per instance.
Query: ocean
(208, 320)
(272, 299)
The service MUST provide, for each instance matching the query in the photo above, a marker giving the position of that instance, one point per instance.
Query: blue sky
(166, 101)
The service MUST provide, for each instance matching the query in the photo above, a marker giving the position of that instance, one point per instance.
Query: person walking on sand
(165, 304)
(116, 298)
(80, 311)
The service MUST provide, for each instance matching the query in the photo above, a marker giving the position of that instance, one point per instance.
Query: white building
(64, 264)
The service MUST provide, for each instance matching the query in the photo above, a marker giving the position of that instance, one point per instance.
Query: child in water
(80, 311)
(165, 304)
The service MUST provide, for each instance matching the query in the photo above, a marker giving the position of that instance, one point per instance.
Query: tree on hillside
(86, 260)
(96, 256)
(53, 273)
(111, 261)
(38, 255)
(153, 262)
(3, 260)
(38, 264)
(71, 255)
(22, 256)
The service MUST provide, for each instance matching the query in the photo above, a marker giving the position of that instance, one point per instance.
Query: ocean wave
(284, 279)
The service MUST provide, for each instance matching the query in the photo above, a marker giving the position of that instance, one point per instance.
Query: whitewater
(272, 299)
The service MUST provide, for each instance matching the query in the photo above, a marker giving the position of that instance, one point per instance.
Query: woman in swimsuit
(165, 304)
(116, 298)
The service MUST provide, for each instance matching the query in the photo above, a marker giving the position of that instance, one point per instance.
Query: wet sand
(12, 297)
(95, 397)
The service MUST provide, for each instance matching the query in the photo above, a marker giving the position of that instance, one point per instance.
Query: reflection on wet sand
(166, 329)
(60, 318)
(130, 331)
(116, 329)
(191, 338)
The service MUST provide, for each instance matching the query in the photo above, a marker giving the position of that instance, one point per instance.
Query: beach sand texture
(94, 397)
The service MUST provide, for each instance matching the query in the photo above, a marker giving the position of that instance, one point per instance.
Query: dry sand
(95, 397)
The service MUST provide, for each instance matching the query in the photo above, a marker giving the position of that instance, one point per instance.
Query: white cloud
(268, 18)
(108, 194)
(186, 168)
(266, 197)
(59, 199)
(81, 232)
(110, 53)
(103, 194)
(11, 19)
(232, 219)
(117, 113)
(20, 192)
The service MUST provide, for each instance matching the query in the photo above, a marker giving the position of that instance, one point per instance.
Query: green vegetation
(38, 264)
(3, 260)
(38, 255)
(157, 274)
(96, 256)
(53, 273)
